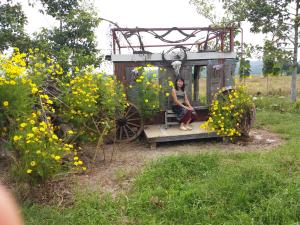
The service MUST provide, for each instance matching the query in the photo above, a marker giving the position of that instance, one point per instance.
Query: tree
(245, 68)
(12, 22)
(275, 59)
(73, 43)
(279, 18)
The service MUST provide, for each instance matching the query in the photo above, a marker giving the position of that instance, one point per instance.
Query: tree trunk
(295, 58)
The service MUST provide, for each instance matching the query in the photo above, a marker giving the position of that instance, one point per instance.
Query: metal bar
(209, 39)
(222, 31)
(150, 46)
(167, 45)
(165, 29)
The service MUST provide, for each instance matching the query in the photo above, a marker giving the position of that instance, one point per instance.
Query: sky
(137, 13)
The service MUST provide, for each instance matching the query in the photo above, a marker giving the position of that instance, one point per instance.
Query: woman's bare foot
(189, 127)
(182, 127)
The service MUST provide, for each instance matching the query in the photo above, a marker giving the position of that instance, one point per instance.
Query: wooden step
(171, 116)
(172, 123)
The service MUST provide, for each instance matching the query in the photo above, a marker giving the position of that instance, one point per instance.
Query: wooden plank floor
(158, 133)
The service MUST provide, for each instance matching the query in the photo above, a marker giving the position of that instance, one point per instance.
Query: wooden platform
(158, 133)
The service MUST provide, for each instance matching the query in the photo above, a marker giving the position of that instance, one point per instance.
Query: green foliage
(265, 16)
(73, 43)
(275, 60)
(245, 68)
(59, 8)
(147, 90)
(12, 22)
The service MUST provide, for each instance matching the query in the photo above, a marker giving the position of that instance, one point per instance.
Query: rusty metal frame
(212, 33)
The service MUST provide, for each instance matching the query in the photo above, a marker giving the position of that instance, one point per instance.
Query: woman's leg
(187, 117)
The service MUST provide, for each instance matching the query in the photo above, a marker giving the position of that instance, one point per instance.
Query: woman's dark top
(177, 109)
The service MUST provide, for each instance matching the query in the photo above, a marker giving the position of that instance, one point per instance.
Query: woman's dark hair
(176, 87)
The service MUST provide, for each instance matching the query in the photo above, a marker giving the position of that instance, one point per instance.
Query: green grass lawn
(216, 188)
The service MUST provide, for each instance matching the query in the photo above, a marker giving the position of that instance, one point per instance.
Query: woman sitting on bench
(182, 107)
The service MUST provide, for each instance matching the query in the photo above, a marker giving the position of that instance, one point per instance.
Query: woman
(182, 107)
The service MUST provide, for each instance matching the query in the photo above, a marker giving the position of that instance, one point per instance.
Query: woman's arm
(186, 99)
(176, 100)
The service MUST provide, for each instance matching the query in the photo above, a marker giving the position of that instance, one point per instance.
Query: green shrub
(35, 93)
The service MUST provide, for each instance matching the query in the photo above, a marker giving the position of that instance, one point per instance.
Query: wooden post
(231, 39)
(196, 83)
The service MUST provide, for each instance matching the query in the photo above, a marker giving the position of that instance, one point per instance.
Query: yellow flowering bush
(230, 113)
(90, 102)
(148, 90)
(41, 153)
(35, 93)
(26, 114)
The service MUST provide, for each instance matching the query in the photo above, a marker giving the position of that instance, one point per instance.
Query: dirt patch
(117, 173)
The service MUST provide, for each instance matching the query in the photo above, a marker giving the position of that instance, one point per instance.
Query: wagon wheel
(248, 121)
(129, 125)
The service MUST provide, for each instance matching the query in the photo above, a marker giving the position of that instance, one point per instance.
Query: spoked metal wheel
(129, 125)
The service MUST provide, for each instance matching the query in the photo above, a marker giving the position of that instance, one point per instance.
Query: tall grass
(280, 85)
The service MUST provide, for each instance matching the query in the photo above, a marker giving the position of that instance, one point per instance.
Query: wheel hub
(122, 121)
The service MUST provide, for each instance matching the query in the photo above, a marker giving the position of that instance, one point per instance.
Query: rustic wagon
(204, 57)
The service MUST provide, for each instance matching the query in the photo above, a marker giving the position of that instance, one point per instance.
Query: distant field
(260, 85)
(271, 86)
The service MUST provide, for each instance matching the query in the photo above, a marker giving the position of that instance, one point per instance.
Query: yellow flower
(84, 168)
(30, 135)
(171, 84)
(75, 158)
(5, 103)
(70, 132)
(34, 90)
(17, 138)
(167, 94)
(57, 157)
(12, 82)
(28, 171)
(23, 125)
(32, 163)
(54, 137)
